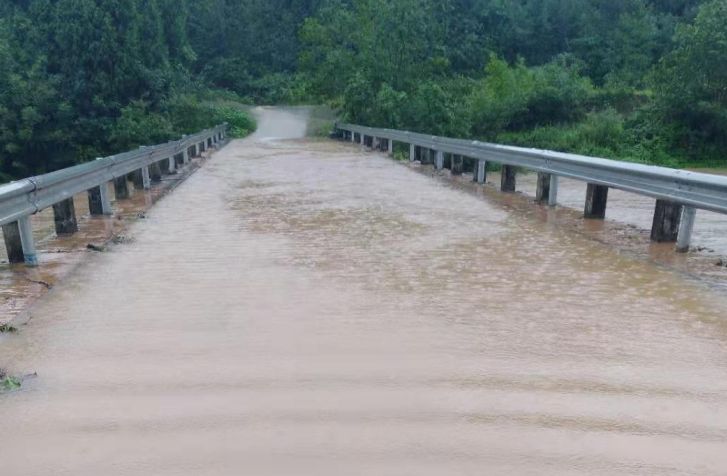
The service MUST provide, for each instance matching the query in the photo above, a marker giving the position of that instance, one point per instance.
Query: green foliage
(690, 83)
(241, 123)
(8, 382)
(516, 97)
(640, 79)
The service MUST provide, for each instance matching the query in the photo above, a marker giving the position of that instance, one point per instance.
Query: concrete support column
(507, 181)
(412, 153)
(390, 147)
(185, 156)
(26, 238)
(480, 172)
(439, 160)
(457, 165)
(155, 172)
(137, 179)
(121, 188)
(686, 228)
(362, 138)
(13, 245)
(64, 215)
(172, 164)
(146, 178)
(596, 200)
(553, 195)
(98, 201)
(542, 192)
(667, 217)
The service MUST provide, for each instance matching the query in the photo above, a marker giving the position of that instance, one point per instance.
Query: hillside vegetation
(641, 80)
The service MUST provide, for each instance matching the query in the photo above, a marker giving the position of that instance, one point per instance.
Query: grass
(605, 134)
(8, 382)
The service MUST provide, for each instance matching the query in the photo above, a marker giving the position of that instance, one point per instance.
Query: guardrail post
(121, 188)
(457, 166)
(507, 181)
(145, 178)
(26, 238)
(542, 192)
(596, 201)
(98, 200)
(439, 160)
(685, 229)
(667, 217)
(553, 195)
(362, 137)
(412, 153)
(480, 172)
(13, 245)
(172, 164)
(390, 147)
(185, 156)
(64, 216)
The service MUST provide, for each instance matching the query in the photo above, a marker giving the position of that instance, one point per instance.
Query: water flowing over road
(303, 307)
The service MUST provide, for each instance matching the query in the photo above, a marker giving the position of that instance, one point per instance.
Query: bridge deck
(302, 307)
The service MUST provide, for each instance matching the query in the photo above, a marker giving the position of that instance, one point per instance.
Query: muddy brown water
(304, 307)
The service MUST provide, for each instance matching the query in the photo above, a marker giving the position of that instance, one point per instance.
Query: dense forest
(642, 80)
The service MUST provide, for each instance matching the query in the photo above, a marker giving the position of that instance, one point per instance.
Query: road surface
(304, 307)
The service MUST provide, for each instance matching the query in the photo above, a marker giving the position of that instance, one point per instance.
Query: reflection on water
(303, 307)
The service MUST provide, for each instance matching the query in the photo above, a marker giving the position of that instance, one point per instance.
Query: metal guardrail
(22, 198)
(699, 190)
(688, 190)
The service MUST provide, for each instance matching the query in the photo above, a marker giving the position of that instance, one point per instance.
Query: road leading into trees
(301, 307)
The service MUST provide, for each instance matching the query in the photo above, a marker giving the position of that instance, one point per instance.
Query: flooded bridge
(306, 306)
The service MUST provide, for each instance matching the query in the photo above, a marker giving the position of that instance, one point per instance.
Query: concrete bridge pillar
(172, 165)
(412, 153)
(121, 188)
(13, 245)
(155, 172)
(390, 147)
(596, 200)
(480, 171)
(457, 164)
(667, 218)
(542, 193)
(98, 201)
(64, 216)
(137, 179)
(185, 156)
(686, 227)
(507, 181)
(362, 137)
(439, 161)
